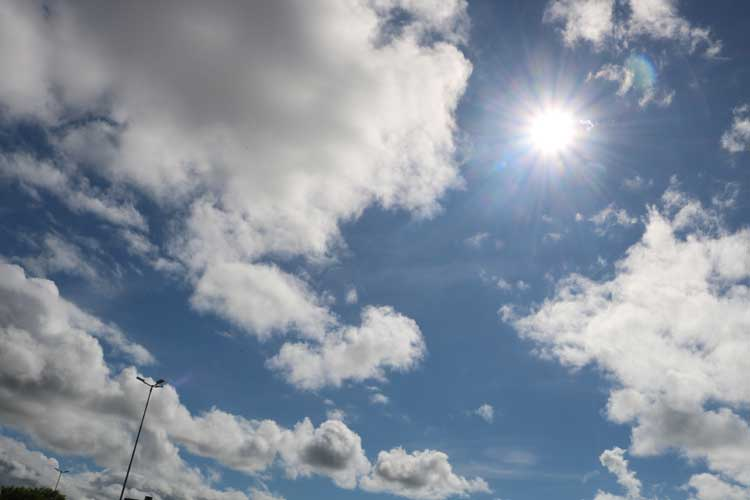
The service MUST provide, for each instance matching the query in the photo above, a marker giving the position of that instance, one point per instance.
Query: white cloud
(352, 297)
(609, 217)
(336, 414)
(602, 24)
(737, 138)
(634, 77)
(379, 399)
(636, 183)
(332, 450)
(486, 412)
(32, 304)
(320, 112)
(261, 298)
(476, 240)
(503, 284)
(421, 475)
(615, 462)
(58, 255)
(385, 340)
(727, 199)
(22, 466)
(670, 330)
(258, 494)
(60, 390)
(710, 487)
(552, 237)
(589, 20)
(79, 196)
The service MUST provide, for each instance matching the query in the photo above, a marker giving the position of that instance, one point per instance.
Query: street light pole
(61, 472)
(158, 385)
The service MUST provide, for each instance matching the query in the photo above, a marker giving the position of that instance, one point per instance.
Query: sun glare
(552, 131)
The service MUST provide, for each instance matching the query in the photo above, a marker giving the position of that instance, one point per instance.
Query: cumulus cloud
(59, 389)
(602, 24)
(23, 466)
(589, 20)
(710, 487)
(332, 450)
(615, 462)
(609, 217)
(32, 309)
(486, 412)
(421, 474)
(261, 298)
(321, 111)
(737, 138)
(669, 329)
(385, 340)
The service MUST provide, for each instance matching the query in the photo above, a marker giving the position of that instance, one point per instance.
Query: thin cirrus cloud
(235, 159)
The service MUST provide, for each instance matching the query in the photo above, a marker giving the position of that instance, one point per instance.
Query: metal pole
(58, 479)
(125, 482)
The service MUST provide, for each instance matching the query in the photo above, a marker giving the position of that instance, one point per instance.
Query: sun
(552, 131)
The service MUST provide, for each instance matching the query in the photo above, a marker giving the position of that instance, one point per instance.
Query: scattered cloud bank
(61, 391)
(636, 183)
(345, 112)
(618, 27)
(636, 76)
(605, 25)
(502, 283)
(670, 329)
(737, 138)
(610, 217)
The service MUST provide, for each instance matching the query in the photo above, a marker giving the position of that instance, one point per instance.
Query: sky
(378, 249)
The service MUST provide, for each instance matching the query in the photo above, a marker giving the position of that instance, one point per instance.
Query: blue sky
(378, 249)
